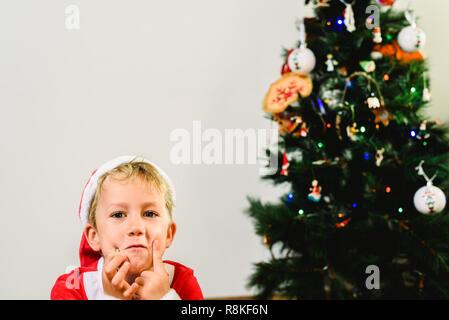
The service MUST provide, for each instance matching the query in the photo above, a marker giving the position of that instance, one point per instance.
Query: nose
(136, 228)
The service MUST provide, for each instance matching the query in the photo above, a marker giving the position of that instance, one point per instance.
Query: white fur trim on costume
(89, 190)
(93, 283)
(171, 295)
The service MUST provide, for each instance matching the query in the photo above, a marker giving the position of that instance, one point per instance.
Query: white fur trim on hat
(91, 186)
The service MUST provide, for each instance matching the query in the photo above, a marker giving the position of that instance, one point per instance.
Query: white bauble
(429, 199)
(411, 39)
(301, 61)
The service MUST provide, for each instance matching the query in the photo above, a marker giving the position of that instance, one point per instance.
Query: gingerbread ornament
(288, 89)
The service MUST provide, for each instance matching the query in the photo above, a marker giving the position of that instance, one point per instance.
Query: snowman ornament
(428, 199)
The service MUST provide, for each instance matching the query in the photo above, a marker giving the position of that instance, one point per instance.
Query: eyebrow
(125, 205)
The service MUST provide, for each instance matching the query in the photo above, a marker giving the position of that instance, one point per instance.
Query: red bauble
(386, 2)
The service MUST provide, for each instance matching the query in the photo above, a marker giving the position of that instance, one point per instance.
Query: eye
(118, 214)
(150, 214)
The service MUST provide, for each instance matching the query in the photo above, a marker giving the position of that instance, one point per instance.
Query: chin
(138, 263)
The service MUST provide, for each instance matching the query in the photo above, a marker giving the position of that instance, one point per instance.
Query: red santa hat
(89, 257)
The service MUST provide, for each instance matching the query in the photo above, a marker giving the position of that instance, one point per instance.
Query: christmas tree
(365, 217)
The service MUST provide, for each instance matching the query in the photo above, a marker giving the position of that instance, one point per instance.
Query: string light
(387, 189)
(354, 205)
(413, 89)
(424, 143)
(340, 214)
(320, 144)
(340, 22)
(362, 129)
(328, 125)
(400, 210)
(301, 212)
(366, 156)
(413, 133)
(386, 77)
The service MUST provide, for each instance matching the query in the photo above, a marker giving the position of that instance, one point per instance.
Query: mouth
(136, 246)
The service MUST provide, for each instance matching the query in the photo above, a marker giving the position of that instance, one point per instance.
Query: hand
(115, 269)
(153, 285)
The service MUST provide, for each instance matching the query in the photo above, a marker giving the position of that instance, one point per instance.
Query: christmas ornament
(343, 223)
(379, 156)
(330, 62)
(368, 65)
(301, 60)
(411, 38)
(395, 50)
(285, 165)
(343, 71)
(351, 131)
(373, 102)
(348, 13)
(315, 195)
(289, 123)
(426, 93)
(422, 132)
(377, 35)
(376, 55)
(382, 115)
(386, 2)
(428, 199)
(285, 91)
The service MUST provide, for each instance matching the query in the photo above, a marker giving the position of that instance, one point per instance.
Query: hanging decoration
(302, 60)
(379, 156)
(348, 13)
(426, 93)
(285, 165)
(331, 63)
(286, 91)
(428, 199)
(422, 132)
(411, 38)
(377, 35)
(315, 194)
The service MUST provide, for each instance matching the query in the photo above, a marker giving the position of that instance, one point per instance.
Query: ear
(92, 238)
(170, 234)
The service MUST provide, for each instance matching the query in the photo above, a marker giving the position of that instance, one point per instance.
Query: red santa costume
(85, 282)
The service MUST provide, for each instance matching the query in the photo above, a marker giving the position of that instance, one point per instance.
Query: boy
(126, 211)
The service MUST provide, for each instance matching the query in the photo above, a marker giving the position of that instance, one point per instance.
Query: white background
(134, 72)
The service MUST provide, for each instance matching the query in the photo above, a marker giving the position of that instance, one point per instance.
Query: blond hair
(133, 169)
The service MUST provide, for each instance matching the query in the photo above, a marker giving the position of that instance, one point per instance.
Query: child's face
(130, 215)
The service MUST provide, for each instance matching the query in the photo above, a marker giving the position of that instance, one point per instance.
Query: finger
(118, 281)
(111, 268)
(128, 294)
(158, 265)
(140, 281)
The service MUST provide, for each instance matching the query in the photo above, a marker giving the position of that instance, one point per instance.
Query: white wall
(134, 72)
